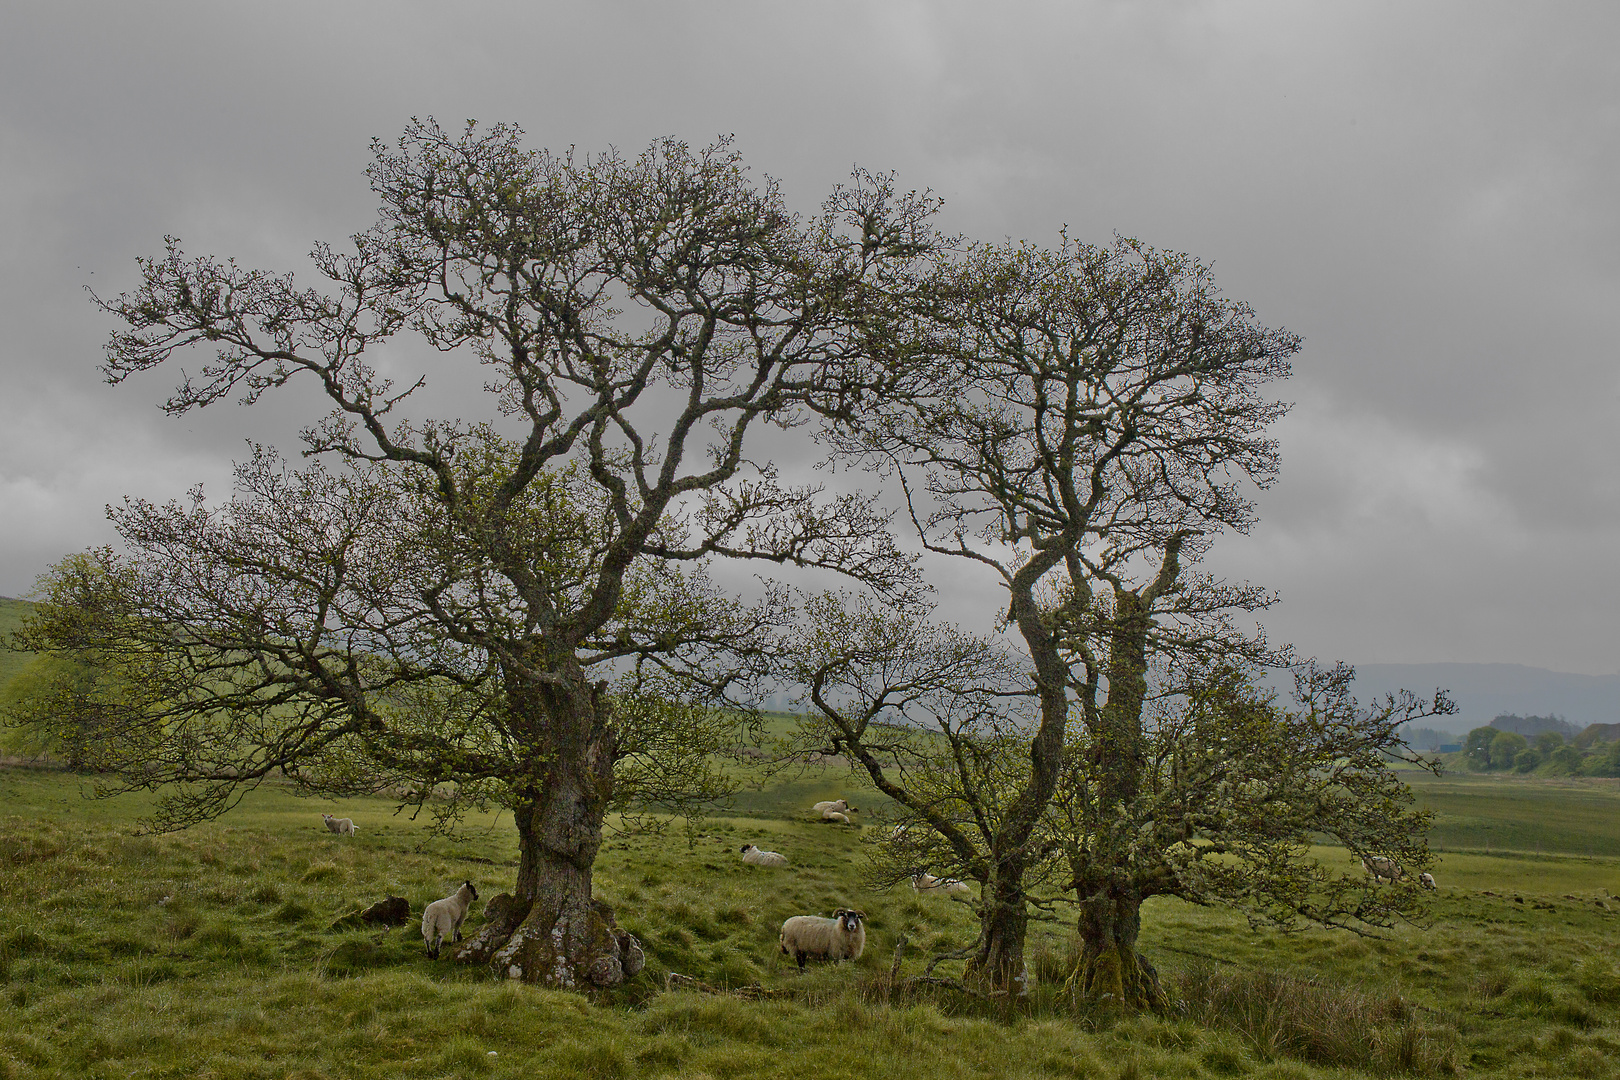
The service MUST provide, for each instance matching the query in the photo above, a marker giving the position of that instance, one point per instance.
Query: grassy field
(11, 615)
(212, 953)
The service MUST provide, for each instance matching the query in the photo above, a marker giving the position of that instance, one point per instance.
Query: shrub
(1505, 747)
(1565, 761)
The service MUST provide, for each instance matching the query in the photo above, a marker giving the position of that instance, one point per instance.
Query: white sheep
(753, 856)
(921, 883)
(442, 919)
(1380, 867)
(840, 805)
(842, 937)
(341, 825)
(1426, 879)
(834, 815)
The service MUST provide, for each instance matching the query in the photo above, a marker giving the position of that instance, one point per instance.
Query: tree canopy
(514, 605)
(518, 607)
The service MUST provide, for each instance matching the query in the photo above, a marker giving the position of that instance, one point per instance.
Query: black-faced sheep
(341, 825)
(441, 920)
(842, 937)
(928, 883)
(840, 805)
(1426, 880)
(753, 856)
(1380, 867)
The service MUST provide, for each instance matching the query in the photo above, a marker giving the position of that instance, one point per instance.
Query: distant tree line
(1532, 726)
(1545, 746)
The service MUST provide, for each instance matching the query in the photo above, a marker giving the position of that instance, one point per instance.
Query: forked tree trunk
(552, 932)
(1110, 904)
(1110, 920)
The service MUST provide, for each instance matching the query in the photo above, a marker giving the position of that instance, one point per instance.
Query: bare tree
(1049, 414)
(454, 603)
(936, 718)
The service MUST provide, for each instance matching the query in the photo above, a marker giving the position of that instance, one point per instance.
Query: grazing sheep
(341, 825)
(1380, 867)
(840, 805)
(834, 815)
(1426, 880)
(841, 937)
(442, 918)
(921, 883)
(755, 857)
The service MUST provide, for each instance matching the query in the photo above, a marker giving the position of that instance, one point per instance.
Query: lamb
(834, 815)
(842, 937)
(921, 883)
(1381, 867)
(1426, 880)
(442, 918)
(840, 805)
(341, 825)
(753, 856)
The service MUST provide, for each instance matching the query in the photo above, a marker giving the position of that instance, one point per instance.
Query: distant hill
(1485, 691)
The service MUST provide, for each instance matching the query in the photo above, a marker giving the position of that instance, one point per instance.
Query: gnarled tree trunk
(551, 931)
(998, 963)
(1110, 920)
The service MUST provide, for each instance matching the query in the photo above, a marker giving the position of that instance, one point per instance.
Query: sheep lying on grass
(842, 937)
(1380, 867)
(921, 883)
(834, 815)
(753, 856)
(341, 825)
(1426, 880)
(442, 919)
(840, 805)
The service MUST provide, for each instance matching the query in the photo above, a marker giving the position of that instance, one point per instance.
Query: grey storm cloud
(1424, 192)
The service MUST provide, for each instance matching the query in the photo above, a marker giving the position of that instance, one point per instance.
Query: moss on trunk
(1110, 968)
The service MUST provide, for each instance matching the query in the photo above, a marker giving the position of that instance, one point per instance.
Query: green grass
(1496, 813)
(211, 953)
(11, 616)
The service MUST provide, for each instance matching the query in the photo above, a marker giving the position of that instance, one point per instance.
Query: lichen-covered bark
(1110, 968)
(998, 963)
(552, 932)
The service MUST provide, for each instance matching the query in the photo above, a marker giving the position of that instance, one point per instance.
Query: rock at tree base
(518, 945)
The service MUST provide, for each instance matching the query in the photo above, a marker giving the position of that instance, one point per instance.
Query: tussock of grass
(1316, 1020)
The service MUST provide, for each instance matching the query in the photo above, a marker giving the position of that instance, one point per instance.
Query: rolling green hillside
(11, 616)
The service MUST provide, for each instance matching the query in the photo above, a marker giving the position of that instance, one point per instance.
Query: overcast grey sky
(1426, 192)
